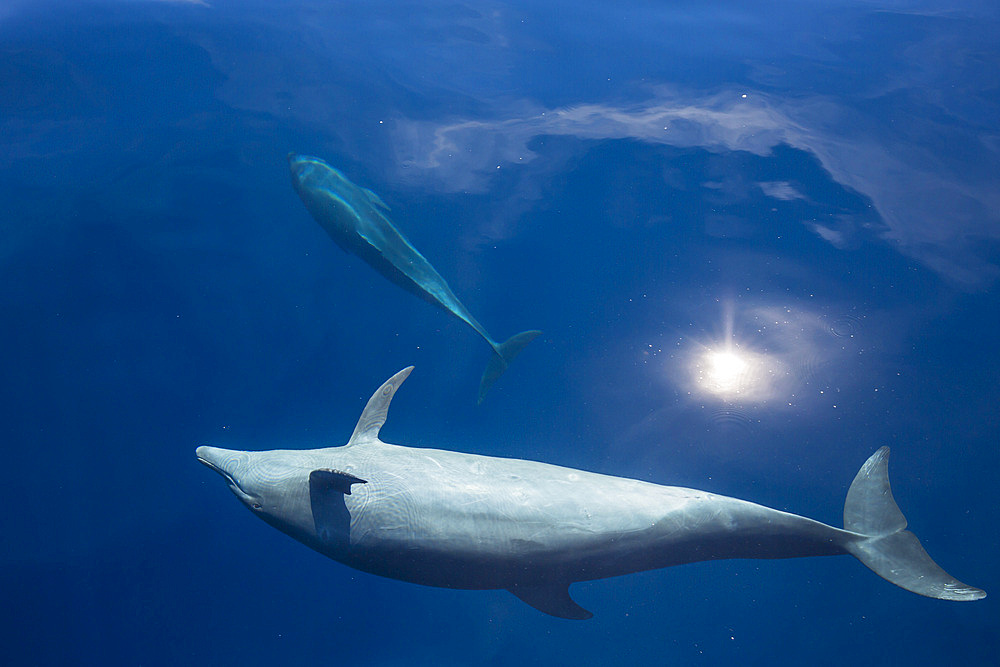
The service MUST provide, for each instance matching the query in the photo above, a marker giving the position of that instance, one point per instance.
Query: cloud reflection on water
(930, 213)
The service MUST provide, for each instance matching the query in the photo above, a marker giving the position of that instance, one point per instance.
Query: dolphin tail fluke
(504, 353)
(884, 544)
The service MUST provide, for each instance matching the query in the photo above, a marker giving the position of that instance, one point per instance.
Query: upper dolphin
(444, 518)
(353, 216)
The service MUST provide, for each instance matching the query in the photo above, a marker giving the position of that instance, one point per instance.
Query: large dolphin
(457, 520)
(354, 218)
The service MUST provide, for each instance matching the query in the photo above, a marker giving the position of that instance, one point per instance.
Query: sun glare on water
(733, 373)
(723, 371)
(755, 357)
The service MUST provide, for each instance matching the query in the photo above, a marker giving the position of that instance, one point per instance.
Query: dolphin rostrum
(354, 218)
(455, 520)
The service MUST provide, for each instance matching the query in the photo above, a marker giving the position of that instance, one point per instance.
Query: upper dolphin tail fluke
(504, 353)
(885, 546)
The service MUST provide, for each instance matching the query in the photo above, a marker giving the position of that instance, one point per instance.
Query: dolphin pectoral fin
(375, 199)
(374, 414)
(552, 599)
(327, 489)
(333, 480)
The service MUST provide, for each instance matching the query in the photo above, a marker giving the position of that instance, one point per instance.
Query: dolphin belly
(506, 521)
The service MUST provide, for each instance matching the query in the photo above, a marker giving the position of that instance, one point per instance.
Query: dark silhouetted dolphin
(353, 217)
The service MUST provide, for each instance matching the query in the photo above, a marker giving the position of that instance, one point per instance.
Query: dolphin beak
(226, 462)
(213, 457)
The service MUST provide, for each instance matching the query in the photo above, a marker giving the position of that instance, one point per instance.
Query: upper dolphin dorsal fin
(375, 199)
(375, 411)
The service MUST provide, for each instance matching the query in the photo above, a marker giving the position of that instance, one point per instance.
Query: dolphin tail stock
(503, 354)
(884, 544)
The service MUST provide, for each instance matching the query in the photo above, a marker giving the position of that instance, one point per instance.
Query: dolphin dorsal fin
(375, 199)
(375, 411)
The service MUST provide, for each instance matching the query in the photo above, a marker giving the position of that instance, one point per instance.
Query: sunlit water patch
(730, 373)
(761, 355)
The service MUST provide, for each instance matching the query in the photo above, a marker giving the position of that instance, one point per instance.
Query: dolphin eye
(256, 506)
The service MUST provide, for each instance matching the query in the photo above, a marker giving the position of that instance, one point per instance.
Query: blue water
(811, 186)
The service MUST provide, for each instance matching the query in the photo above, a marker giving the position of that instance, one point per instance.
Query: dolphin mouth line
(229, 478)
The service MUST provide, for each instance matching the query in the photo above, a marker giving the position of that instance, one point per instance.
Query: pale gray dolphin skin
(455, 520)
(354, 218)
